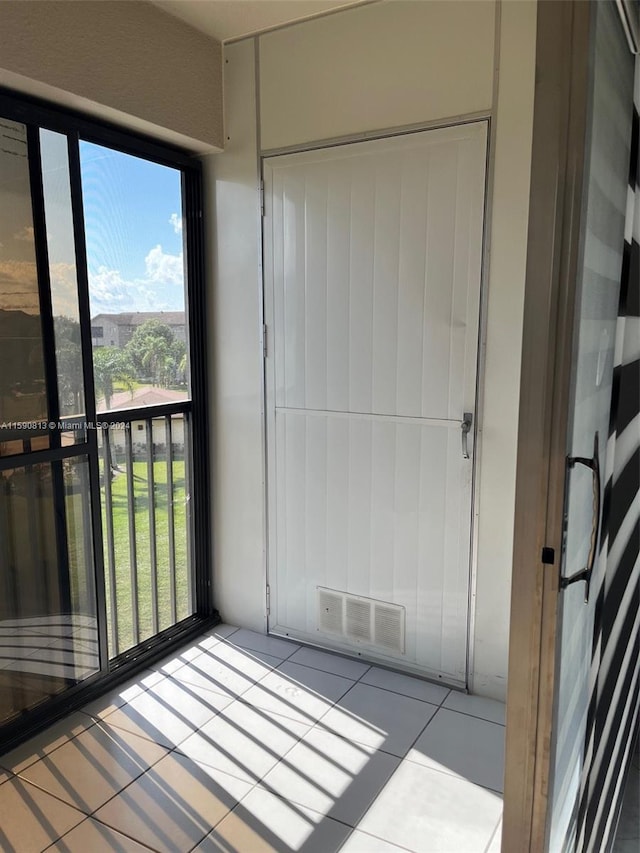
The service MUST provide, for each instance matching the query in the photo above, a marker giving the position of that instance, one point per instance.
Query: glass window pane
(48, 625)
(133, 220)
(22, 380)
(62, 271)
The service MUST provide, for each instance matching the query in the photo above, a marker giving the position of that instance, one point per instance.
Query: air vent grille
(362, 620)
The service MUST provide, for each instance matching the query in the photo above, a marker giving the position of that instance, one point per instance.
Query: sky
(133, 225)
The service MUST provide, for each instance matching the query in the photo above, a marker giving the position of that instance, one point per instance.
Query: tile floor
(244, 743)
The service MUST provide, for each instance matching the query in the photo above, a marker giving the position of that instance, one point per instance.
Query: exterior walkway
(245, 743)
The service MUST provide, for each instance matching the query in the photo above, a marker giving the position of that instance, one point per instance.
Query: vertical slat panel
(361, 293)
(385, 247)
(314, 333)
(338, 292)
(411, 282)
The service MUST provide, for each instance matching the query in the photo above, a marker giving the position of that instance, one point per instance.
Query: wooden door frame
(555, 224)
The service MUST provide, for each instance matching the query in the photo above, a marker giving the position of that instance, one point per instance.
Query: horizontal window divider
(144, 413)
(56, 454)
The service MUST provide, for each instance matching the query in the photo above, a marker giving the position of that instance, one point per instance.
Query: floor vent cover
(361, 620)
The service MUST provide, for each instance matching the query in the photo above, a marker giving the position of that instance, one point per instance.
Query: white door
(372, 263)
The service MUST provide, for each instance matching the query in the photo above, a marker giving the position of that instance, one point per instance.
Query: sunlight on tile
(379, 718)
(263, 823)
(173, 806)
(227, 670)
(419, 803)
(31, 819)
(91, 836)
(44, 743)
(168, 712)
(298, 692)
(331, 776)
(244, 741)
(95, 765)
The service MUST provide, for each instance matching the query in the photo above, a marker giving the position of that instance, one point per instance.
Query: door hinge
(264, 340)
(261, 198)
(268, 600)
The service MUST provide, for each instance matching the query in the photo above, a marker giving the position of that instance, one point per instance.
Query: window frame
(37, 114)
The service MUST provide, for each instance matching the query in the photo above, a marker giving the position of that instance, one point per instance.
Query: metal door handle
(465, 427)
(594, 464)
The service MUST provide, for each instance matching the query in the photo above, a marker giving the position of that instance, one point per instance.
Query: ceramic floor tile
(174, 805)
(168, 712)
(325, 773)
(496, 842)
(45, 742)
(263, 823)
(476, 706)
(102, 707)
(379, 718)
(244, 741)
(86, 771)
(221, 631)
(424, 810)
(262, 643)
(360, 842)
(227, 670)
(405, 684)
(298, 692)
(91, 836)
(338, 665)
(31, 819)
(464, 746)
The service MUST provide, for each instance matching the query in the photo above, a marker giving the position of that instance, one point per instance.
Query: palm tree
(110, 365)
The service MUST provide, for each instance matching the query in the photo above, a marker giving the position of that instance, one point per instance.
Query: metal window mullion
(152, 526)
(111, 553)
(43, 278)
(171, 520)
(84, 309)
(200, 436)
(133, 556)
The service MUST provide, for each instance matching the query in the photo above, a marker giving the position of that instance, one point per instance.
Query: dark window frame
(36, 114)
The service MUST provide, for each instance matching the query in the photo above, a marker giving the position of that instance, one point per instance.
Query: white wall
(356, 72)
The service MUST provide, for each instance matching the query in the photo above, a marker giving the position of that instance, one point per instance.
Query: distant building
(115, 330)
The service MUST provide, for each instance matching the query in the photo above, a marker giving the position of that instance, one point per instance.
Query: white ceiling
(232, 19)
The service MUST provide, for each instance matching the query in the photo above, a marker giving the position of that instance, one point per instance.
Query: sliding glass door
(48, 606)
(103, 489)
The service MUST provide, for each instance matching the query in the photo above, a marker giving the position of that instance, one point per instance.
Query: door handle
(465, 428)
(594, 465)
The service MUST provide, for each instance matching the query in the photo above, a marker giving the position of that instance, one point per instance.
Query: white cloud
(160, 289)
(164, 267)
(176, 221)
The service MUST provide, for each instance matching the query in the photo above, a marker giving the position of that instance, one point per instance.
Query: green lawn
(120, 510)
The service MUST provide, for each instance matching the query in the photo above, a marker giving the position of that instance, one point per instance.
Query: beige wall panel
(128, 62)
(380, 66)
